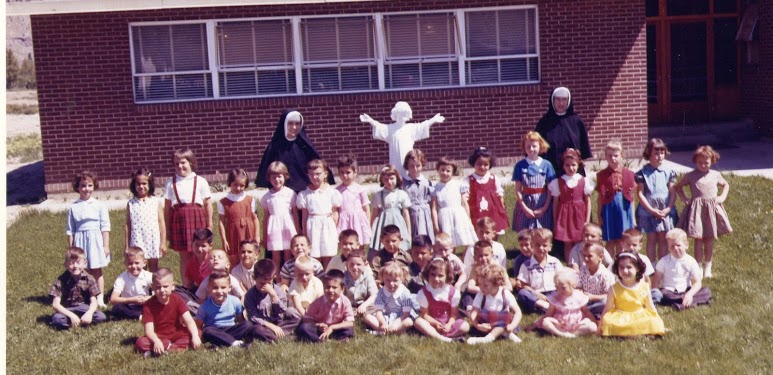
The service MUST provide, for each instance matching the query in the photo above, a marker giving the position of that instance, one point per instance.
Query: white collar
(537, 162)
(235, 197)
(573, 178)
(190, 176)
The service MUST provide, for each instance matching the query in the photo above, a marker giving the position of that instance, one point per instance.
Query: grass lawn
(733, 335)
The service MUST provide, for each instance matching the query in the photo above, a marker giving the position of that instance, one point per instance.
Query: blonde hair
(534, 136)
(395, 269)
(494, 273)
(278, 167)
(707, 152)
(566, 275)
(614, 145)
(443, 237)
(304, 263)
(541, 234)
(133, 252)
(676, 234)
(595, 247)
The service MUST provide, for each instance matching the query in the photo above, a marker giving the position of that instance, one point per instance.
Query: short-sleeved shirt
(330, 312)
(358, 291)
(338, 262)
(575, 256)
(538, 277)
(74, 290)
(457, 266)
(185, 190)
(571, 182)
(166, 319)
(288, 269)
(678, 273)
(223, 316)
(501, 300)
(244, 276)
(236, 289)
(133, 286)
(307, 294)
(597, 283)
(397, 303)
(499, 255)
(439, 294)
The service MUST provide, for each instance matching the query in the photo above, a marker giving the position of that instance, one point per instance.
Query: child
(187, 208)
(591, 232)
(401, 136)
(348, 240)
(355, 205)
(88, 227)
(443, 248)
(450, 209)
(299, 246)
(629, 310)
(319, 205)
(568, 315)
(279, 214)
(393, 305)
(75, 294)
(485, 229)
(237, 213)
(525, 253)
(421, 253)
(704, 217)
(595, 280)
(132, 287)
(391, 239)
(536, 274)
(266, 305)
(168, 324)
(222, 314)
(218, 261)
(359, 286)
(571, 202)
(656, 214)
(615, 185)
(632, 244)
(495, 312)
(483, 257)
(486, 195)
(305, 288)
(198, 267)
(145, 227)
(532, 176)
(679, 276)
(438, 301)
(248, 250)
(419, 190)
(329, 316)
(390, 207)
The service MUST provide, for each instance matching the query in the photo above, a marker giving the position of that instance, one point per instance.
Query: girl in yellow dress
(630, 311)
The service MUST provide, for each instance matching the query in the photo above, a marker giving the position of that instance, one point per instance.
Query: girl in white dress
(279, 214)
(450, 210)
(145, 227)
(319, 205)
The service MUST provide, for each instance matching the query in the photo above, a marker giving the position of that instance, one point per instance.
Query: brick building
(121, 88)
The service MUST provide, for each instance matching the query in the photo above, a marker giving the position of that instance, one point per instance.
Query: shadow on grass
(26, 185)
(129, 341)
(43, 300)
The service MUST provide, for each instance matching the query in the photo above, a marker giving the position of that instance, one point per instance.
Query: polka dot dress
(145, 234)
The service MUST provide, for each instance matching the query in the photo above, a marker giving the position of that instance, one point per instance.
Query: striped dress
(534, 178)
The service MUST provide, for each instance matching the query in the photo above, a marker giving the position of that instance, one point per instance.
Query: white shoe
(512, 337)
(707, 270)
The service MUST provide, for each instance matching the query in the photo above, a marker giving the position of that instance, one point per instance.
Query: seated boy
(484, 255)
(75, 294)
(444, 248)
(536, 274)
(266, 305)
(486, 229)
(525, 253)
(299, 246)
(595, 280)
(132, 287)
(678, 275)
(348, 240)
(591, 232)
(421, 253)
(198, 268)
(222, 314)
(248, 255)
(390, 240)
(168, 324)
(329, 316)
(305, 288)
(359, 287)
(218, 261)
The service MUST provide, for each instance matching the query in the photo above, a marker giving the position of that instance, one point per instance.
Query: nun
(563, 129)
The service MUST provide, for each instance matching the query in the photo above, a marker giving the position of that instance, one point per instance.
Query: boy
(75, 294)
(218, 261)
(631, 242)
(484, 255)
(680, 275)
(248, 255)
(359, 287)
(390, 240)
(348, 240)
(222, 314)
(329, 316)
(444, 248)
(536, 274)
(486, 229)
(590, 233)
(421, 253)
(197, 268)
(595, 280)
(132, 287)
(168, 324)
(299, 246)
(266, 305)
(525, 253)
(305, 288)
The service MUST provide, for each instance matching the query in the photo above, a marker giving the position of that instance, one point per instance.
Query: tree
(11, 69)
(27, 73)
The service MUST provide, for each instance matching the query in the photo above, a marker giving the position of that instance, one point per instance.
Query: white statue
(400, 135)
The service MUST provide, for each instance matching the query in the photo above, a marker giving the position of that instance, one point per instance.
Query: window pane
(400, 76)
(273, 42)
(725, 52)
(355, 36)
(320, 40)
(725, 6)
(436, 35)
(152, 49)
(439, 74)
(652, 8)
(189, 47)
(321, 80)
(652, 60)
(687, 7)
(688, 62)
(276, 82)
(235, 44)
(359, 78)
(402, 36)
(238, 83)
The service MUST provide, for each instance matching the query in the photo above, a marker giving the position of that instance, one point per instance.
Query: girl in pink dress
(568, 314)
(571, 202)
(279, 214)
(355, 206)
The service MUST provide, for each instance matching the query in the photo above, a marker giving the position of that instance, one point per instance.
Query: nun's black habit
(561, 132)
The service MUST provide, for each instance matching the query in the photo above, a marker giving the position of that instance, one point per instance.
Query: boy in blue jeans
(75, 294)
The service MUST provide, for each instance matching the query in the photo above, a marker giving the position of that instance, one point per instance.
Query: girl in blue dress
(532, 176)
(656, 214)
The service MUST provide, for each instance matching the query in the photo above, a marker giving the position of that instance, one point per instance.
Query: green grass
(24, 148)
(733, 335)
(21, 109)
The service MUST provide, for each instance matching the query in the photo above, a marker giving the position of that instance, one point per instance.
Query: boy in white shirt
(132, 287)
(679, 276)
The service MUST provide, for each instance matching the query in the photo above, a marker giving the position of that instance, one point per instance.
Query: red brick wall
(757, 79)
(89, 118)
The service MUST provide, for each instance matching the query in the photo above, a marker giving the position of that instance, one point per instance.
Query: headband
(630, 255)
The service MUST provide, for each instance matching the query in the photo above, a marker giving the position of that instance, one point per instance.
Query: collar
(573, 178)
(190, 176)
(485, 177)
(537, 162)
(235, 197)
(90, 200)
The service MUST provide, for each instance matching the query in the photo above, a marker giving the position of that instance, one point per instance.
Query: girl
(393, 306)
(390, 206)
(571, 202)
(656, 214)
(615, 185)
(486, 195)
(355, 208)
(438, 301)
(419, 189)
(629, 310)
(280, 215)
(562, 128)
(88, 227)
(187, 207)
(450, 212)
(145, 227)
(704, 217)
(568, 315)
(532, 176)
(238, 218)
(319, 205)
(495, 312)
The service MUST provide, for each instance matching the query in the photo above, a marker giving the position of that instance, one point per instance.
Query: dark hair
(264, 268)
(249, 242)
(346, 233)
(162, 273)
(357, 253)
(390, 170)
(421, 240)
(389, 230)
(297, 236)
(237, 173)
(334, 275)
(187, 154)
(654, 144)
(316, 164)
(348, 161)
(438, 264)
(481, 152)
(631, 233)
(445, 160)
(639, 264)
(482, 244)
(203, 234)
(705, 151)
(415, 155)
(219, 274)
(84, 176)
(572, 154)
(142, 172)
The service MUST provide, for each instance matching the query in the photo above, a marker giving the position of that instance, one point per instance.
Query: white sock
(238, 343)
(480, 340)
(707, 269)
(512, 337)
(446, 339)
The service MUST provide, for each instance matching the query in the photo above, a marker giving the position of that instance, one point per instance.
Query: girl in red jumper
(486, 197)
(571, 201)
(238, 218)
